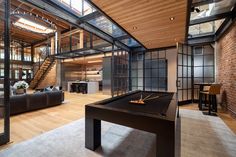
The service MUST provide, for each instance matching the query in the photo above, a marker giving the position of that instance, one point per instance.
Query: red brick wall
(226, 68)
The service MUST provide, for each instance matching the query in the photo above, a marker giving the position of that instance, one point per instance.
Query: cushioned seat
(54, 98)
(37, 100)
(211, 95)
(18, 104)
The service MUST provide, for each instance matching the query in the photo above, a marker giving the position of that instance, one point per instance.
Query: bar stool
(211, 95)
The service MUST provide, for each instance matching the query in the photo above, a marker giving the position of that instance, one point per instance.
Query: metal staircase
(42, 72)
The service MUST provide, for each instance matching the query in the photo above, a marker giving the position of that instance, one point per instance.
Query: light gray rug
(201, 136)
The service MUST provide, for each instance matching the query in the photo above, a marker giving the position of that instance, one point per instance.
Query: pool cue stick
(147, 97)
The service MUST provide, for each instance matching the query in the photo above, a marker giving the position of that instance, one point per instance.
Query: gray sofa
(29, 102)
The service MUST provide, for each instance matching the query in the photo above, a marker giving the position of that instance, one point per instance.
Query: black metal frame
(5, 137)
(144, 69)
(108, 17)
(212, 37)
(65, 13)
(182, 77)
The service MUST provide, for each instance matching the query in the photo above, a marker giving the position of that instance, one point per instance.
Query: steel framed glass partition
(185, 74)
(149, 70)
(4, 80)
(195, 65)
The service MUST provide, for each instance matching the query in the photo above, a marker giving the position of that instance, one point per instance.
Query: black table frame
(163, 126)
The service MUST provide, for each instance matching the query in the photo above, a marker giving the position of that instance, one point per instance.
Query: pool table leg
(165, 146)
(92, 133)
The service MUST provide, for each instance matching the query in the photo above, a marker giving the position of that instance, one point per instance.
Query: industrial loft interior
(118, 78)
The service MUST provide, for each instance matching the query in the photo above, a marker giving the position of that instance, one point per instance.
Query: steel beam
(5, 137)
(201, 40)
(65, 13)
(109, 18)
(226, 24)
(203, 2)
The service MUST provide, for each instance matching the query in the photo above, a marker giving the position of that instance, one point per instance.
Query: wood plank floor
(28, 125)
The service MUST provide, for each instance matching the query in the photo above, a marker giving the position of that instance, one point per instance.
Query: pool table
(158, 115)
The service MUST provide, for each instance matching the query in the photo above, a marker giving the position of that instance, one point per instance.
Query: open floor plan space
(117, 78)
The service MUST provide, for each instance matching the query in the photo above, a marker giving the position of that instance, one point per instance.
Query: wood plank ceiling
(149, 20)
(28, 36)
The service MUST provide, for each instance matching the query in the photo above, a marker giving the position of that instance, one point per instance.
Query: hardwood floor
(28, 125)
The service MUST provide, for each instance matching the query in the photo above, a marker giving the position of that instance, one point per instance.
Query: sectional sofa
(29, 102)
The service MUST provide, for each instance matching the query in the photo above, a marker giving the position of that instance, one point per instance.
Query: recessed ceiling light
(135, 27)
(172, 18)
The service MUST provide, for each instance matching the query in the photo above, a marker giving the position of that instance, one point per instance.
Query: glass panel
(148, 73)
(208, 72)
(198, 72)
(87, 8)
(180, 59)
(147, 55)
(155, 63)
(107, 26)
(208, 60)
(140, 82)
(140, 73)
(180, 74)
(154, 72)
(185, 95)
(202, 28)
(162, 72)
(185, 72)
(148, 82)
(205, 28)
(155, 83)
(162, 83)
(76, 5)
(154, 55)
(134, 73)
(185, 82)
(130, 42)
(198, 60)
(148, 63)
(162, 54)
(162, 63)
(180, 95)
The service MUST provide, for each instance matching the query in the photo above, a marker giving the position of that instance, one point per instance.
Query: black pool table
(157, 116)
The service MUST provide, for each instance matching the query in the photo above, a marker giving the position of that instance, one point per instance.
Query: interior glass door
(4, 78)
(185, 74)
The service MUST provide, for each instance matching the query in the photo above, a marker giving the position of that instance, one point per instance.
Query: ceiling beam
(65, 13)
(109, 18)
(226, 24)
(201, 40)
(210, 18)
(203, 2)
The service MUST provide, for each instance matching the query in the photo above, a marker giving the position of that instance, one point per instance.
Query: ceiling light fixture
(172, 18)
(32, 26)
(135, 27)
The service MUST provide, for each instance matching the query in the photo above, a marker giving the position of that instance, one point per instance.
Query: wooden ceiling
(27, 36)
(149, 20)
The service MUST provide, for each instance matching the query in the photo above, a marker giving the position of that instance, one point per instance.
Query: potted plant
(21, 87)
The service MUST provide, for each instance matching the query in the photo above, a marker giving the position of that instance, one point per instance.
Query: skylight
(32, 26)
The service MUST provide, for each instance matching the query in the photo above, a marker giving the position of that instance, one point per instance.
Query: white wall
(171, 56)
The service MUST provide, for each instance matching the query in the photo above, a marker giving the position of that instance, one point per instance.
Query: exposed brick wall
(50, 79)
(226, 68)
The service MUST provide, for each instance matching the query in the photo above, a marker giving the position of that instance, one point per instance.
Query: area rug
(198, 135)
